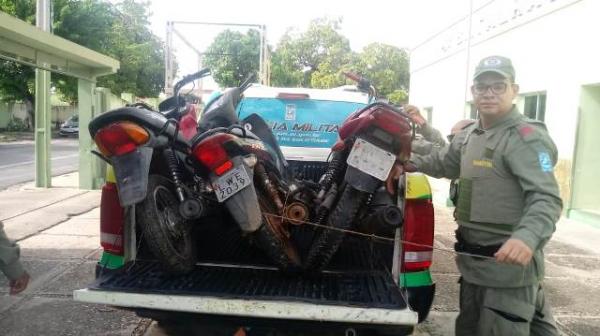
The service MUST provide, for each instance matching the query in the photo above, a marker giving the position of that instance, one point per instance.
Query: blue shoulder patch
(545, 162)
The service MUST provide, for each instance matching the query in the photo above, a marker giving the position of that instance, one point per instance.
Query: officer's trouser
(487, 311)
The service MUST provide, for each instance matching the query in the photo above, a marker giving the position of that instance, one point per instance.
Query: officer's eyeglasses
(497, 88)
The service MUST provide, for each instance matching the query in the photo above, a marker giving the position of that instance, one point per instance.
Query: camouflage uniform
(507, 190)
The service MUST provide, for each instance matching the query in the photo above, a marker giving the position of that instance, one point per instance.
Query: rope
(384, 239)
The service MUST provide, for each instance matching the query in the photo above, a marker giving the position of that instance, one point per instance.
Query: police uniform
(431, 139)
(9, 257)
(507, 190)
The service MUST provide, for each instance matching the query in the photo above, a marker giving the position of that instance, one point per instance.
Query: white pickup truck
(368, 288)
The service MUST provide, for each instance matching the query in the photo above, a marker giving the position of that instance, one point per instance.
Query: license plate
(371, 159)
(229, 184)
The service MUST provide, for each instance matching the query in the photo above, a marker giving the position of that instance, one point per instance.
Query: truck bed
(233, 278)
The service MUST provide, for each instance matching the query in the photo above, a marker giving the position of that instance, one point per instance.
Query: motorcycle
(250, 177)
(354, 191)
(147, 150)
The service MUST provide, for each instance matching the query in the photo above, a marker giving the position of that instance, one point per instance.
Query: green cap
(498, 64)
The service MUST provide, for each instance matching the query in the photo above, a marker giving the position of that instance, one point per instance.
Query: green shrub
(16, 125)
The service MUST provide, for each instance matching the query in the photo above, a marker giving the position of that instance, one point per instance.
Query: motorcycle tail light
(418, 233)
(120, 138)
(211, 153)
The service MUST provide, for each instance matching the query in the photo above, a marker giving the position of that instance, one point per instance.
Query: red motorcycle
(373, 143)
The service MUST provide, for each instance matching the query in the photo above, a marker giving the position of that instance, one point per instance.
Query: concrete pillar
(87, 161)
(43, 136)
(43, 132)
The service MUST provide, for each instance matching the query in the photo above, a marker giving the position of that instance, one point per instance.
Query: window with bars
(534, 106)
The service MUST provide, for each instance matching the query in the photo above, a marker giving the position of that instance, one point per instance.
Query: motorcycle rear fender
(131, 173)
(361, 181)
(243, 206)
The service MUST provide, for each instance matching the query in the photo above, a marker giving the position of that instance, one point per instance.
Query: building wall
(552, 46)
(586, 195)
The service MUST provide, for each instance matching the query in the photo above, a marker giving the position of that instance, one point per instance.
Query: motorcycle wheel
(275, 242)
(166, 233)
(343, 216)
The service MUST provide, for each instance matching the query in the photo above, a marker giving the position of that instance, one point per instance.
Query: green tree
(118, 30)
(232, 56)
(285, 68)
(398, 97)
(314, 58)
(16, 81)
(122, 32)
(387, 68)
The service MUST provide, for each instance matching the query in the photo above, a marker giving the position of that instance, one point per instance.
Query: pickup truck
(370, 287)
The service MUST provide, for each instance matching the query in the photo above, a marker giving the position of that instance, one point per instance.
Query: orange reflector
(225, 167)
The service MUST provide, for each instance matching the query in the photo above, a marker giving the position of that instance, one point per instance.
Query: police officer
(454, 184)
(10, 265)
(508, 205)
(431, 139)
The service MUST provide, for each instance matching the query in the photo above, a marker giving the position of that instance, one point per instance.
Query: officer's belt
(483, 250)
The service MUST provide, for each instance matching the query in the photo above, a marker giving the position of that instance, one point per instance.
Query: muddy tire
(343, 216)
(274, 242)
(167, 235)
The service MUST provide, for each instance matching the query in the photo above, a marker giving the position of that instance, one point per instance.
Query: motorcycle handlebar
(190, 78)
(353, 76)
(247, 82)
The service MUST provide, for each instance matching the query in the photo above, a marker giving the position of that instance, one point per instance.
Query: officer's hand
(20, 284)
(514, 251)
(415, 115)
(392, 181)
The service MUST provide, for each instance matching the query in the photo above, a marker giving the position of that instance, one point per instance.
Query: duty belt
(483, 250)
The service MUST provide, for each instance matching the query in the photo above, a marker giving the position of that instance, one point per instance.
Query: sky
(402, 23)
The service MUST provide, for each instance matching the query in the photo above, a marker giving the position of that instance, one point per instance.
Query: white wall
(553, 47)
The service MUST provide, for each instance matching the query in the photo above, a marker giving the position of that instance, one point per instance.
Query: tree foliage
(119, 30)
(313, 58)
(233, 56)
(386, 66)
(318, 57)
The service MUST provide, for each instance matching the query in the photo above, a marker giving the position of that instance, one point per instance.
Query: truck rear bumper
(283, 310)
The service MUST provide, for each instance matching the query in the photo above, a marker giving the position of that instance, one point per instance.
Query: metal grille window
(534, 106)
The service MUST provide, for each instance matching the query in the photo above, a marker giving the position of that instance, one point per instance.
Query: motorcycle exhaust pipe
(383, 219)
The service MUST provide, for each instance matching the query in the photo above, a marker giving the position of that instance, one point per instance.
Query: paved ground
(17, 160)
(58, 232)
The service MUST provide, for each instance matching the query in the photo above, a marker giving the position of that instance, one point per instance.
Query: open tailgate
(233, 290)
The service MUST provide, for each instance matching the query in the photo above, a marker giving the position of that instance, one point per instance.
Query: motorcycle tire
(167, 234)
(343, 216)
(280, 250)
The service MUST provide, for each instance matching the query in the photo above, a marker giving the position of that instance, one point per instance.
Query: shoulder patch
(530, 131)
(545, 162)
(526, 130)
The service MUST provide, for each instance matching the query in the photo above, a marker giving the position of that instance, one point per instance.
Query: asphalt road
(17, 160)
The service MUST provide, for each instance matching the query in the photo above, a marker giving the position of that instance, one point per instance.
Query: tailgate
(232, 290)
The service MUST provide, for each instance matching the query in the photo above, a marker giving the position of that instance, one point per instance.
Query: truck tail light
(417, 251)
(111, 220)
